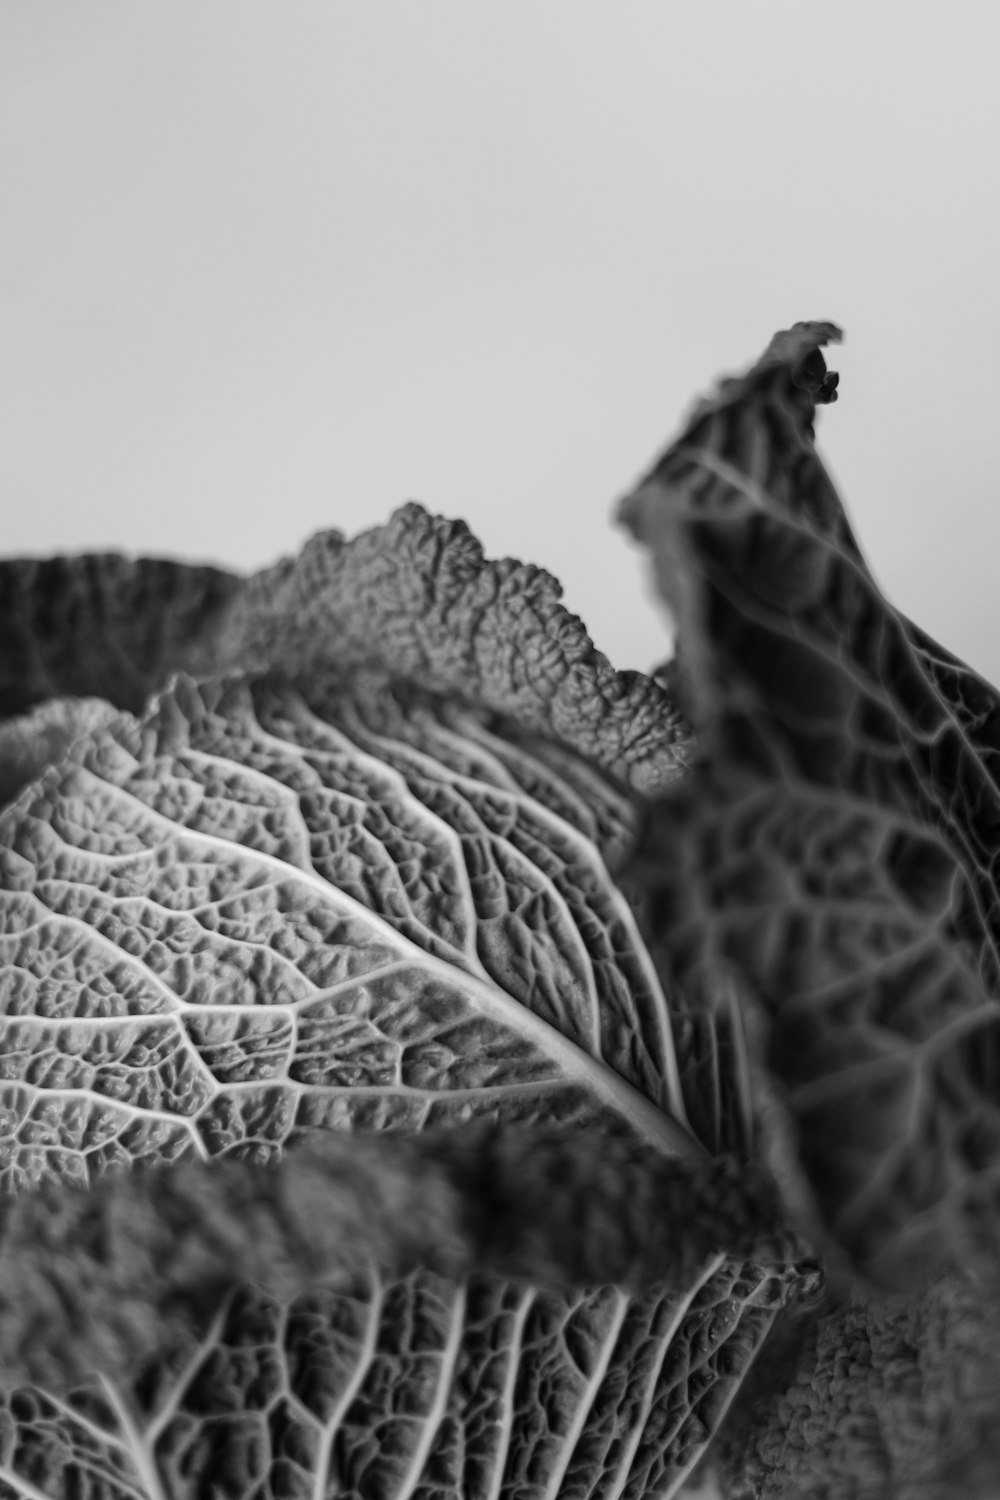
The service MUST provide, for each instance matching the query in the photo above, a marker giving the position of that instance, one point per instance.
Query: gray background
(267, 268)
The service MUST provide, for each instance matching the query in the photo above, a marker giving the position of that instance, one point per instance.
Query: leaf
(831, 856)
(250, 920)
(33, 741)
(103, 626)
(873, 1397)
(237, 921)
(415, 599)
(125, 1274)
(418, 1387)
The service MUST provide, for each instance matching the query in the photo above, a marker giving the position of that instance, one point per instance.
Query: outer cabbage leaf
(143, 1259)
(420, 1387)
(415, 598)
(248, 918)
(832, 856)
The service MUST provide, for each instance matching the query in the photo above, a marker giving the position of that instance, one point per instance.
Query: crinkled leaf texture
(305, 922)
(263, 912)
(420, 1387)
(416, 1371)
(873, 1398)
(832, 856)
(415, 597)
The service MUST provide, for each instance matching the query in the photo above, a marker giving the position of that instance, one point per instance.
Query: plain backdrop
(272, 267)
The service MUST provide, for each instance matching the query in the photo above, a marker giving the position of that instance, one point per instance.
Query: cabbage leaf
(832, 855)
(429, 1056)
(271, 916)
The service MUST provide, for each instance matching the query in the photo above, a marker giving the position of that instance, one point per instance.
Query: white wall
(267, 268)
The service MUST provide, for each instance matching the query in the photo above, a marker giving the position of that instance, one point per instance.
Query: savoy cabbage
(435, 1064)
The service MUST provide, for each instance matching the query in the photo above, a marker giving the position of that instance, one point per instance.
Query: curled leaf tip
(797, 349)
